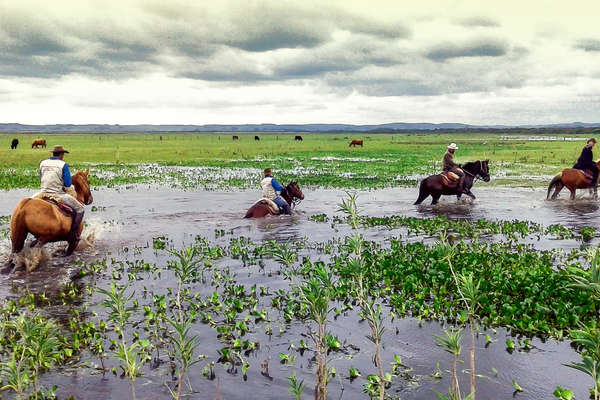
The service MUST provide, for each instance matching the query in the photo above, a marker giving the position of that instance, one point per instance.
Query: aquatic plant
(315, 295)
(130, 357)
(296, 388)
(451, 343)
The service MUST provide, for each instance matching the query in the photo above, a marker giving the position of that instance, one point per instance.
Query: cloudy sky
(229, 62)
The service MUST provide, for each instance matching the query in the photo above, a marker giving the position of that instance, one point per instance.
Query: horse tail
(422, 195)
(555, 181)
(18, 228)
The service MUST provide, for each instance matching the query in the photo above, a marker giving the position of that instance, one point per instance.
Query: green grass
(319, 160)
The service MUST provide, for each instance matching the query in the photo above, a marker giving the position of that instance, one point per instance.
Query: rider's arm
(66, 174)
(276, 185)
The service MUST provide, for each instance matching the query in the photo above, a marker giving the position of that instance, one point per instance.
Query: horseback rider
(448, 165)
(270, 187)
(586, 161)
(55, 179)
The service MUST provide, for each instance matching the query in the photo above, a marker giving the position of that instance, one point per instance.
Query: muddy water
(127, 218)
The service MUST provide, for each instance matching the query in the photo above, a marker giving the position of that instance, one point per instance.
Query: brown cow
(38, 143)
(236, 138)
(356, 142)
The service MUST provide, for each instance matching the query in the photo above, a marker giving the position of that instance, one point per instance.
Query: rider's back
(51, 175)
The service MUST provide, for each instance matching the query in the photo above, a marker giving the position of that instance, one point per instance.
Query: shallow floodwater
(130, 217)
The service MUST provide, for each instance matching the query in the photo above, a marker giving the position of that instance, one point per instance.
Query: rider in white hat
(448, 164)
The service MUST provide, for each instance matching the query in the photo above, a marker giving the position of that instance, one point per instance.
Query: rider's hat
(453, 146)
(58, 149)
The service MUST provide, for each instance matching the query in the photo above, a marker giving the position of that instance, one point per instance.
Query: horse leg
(572, 193)
(71, 248)
(422, 196)
(557, 190)
(471, 195)
(435, 197)
(423, 193)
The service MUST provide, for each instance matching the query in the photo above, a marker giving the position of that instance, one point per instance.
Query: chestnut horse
(44, 220)
(434, 184)
(291, 193)
(573, 179)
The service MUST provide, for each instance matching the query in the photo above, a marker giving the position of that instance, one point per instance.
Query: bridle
(476, 176)
(295, 199)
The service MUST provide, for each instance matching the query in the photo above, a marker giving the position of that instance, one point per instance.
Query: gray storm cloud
(476, 48)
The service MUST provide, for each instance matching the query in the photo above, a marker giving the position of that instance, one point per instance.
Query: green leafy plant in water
(315, 295)
(15, 374)
(370, 311)
(588, 340)
(283, 254)
(348, 206)
(563, 394)
(470, 294)
(296, 388)
(184, 347)
(589, 280)
(131, 359)
(588, 337)
(35, 349)
(451, 342)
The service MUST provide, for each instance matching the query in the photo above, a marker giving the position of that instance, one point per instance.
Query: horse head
(294, 190)
(485, 171)
(81, 182)
(478, 168)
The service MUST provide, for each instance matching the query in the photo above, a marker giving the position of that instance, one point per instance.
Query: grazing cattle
(37, 143)
(236, 138)
(298, 138)
(356, 142)
(256, 138)
(14, 144)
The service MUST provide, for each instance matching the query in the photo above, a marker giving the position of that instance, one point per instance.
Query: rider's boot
(286, 209)
(74, 235)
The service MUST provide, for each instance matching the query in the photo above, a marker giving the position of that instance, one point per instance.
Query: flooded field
(252, 347)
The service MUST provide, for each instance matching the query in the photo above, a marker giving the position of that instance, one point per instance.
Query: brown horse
(291, 193)
(38, 143)
(573, 179)
(436, 186)
(355, 143)
(44, 220)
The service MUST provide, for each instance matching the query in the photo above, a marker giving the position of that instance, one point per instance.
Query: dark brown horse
(436, 185)
(291, 193)
(44, 220)
(356, 142)
(572, 179)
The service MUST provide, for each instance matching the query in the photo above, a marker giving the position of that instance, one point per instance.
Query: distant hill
(380, 128)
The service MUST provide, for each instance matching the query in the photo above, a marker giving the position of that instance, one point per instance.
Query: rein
(476, 175)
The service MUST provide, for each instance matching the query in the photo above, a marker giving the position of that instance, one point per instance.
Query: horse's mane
(470, 164)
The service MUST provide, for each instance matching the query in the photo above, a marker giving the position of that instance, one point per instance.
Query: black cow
(256, 138)
(298, 138)
(14, 144)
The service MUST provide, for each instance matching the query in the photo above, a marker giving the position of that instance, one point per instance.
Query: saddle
(273, 207)
(587, 175)
(56, 201)
(450, 179)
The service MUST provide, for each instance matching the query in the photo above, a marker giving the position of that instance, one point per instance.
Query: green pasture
(319, 160)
